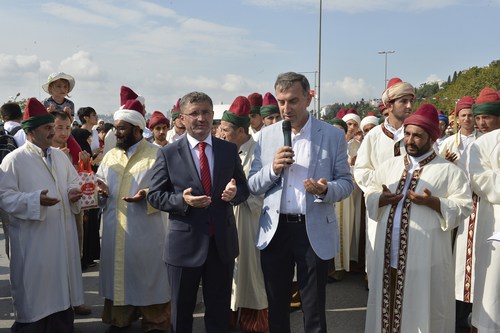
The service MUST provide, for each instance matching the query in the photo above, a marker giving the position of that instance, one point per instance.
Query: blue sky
(226, 48)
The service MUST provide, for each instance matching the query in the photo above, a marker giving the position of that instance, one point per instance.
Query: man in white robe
(455, 149)
(382, 143)
(256, 122)
(41, 195)
(484, 173)
(348, 210)
(248, 296)
(132, 276)
(417, 200)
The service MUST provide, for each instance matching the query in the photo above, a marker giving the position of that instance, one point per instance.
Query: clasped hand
(316, 187)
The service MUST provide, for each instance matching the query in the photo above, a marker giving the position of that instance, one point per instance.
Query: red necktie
(205, 169)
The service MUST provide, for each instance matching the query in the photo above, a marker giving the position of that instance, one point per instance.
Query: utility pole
(385, 71)
(319, 62)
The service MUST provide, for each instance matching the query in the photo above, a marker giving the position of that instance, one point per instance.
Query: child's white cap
(56, 76)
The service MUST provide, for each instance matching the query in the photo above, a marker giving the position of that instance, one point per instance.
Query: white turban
(351, 116)
(397, 90)
(130, 116)
(368, 120)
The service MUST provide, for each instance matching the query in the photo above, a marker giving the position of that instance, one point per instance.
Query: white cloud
(200, 83)
(346, 90)
(233, 83)
(156, 10)
(357, 6)
(76, 15)
(433, 78)
(13, 64)
(82, 66)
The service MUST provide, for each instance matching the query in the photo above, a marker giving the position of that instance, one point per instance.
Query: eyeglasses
(197, 114)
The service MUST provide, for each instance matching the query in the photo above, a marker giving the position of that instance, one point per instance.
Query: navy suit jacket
(187, 237)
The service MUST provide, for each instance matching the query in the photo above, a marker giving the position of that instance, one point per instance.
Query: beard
(127, 142)
(418, 151)
(161, 137)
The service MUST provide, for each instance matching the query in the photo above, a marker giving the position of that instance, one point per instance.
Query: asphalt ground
(345, 308)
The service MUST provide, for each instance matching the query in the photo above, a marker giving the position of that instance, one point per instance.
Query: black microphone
(287, 132)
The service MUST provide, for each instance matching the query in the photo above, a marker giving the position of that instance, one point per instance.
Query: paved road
(346, 302)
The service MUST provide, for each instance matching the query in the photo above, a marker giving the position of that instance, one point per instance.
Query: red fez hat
(351, 111)
(427, 118)
(177, 107)
(465, 102)
(341, 114)
(269, 99)
(240, 106)
(158, 118)
(255, 99)
(176, 110)
(381, 107)
(134, 104)
(393, 81)
(125, 94)
(371, 113)
(34, 108)
(487, 95)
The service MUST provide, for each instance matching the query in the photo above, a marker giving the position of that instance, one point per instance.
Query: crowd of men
(266, 204)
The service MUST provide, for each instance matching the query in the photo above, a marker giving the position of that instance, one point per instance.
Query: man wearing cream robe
(417, 200)
(248, 295)
(380, 144)
(348, 210)
(39, 192)
(484, 169)
(132, 276)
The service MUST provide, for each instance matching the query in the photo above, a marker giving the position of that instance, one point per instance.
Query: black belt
(293, 218)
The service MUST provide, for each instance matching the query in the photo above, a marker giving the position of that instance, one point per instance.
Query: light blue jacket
(328, 160)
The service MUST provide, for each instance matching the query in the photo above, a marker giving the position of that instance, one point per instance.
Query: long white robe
(248, 290)
(428, 302)
(132, 271)
(348, 216)
(376, 148)
(465, 242)
(484, 170)
(45, 271)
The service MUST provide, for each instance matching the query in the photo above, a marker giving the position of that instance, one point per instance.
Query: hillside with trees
(443, 95)
(467, 82)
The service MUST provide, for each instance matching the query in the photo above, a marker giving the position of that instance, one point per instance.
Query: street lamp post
(385, 71)
(318, 87)
(315, 106)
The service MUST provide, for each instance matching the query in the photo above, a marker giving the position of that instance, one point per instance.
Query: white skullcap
(351, 116)
(368, 120)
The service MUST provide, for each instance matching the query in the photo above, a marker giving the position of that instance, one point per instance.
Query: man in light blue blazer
(301, 183)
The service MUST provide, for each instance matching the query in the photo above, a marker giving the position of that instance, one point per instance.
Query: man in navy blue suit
(201, 240)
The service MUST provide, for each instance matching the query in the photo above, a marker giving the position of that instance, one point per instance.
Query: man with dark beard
(133, 278)
(417, 200)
